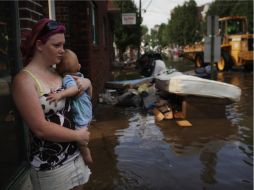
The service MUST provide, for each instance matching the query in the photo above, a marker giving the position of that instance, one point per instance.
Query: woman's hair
(42, 30)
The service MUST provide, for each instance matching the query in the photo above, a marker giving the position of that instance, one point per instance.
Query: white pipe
(52, 10)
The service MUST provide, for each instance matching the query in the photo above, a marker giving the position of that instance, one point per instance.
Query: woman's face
(53, 49)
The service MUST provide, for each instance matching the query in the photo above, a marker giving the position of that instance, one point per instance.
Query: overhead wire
(148, 5)
(153, 11)
(157, 12)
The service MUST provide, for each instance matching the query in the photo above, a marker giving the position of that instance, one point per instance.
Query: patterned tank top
(47, 155)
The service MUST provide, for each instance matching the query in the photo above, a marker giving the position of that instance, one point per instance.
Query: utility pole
(212, 45)
(139, 28)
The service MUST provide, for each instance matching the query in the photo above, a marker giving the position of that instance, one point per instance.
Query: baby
(81, 104)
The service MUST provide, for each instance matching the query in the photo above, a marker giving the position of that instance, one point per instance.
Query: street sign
(208, 49)
(212, 25)
(128, 18)
(212, 46)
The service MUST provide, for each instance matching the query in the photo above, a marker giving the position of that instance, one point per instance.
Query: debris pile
(143, 93)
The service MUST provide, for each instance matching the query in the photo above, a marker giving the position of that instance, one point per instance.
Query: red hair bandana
(27, 45)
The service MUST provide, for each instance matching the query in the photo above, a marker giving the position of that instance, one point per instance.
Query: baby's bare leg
(86, 154)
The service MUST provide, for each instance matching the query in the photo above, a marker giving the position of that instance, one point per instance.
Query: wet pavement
(133, 151)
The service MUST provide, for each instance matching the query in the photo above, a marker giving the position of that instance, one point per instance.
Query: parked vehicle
(236, 45)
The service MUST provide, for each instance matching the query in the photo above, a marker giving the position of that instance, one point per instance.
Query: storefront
(94, 47)
(13, 135)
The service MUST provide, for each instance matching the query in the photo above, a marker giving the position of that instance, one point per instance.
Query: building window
(12, 141)
(94, 23)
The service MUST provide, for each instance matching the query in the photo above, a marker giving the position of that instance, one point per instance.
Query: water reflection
(241, 113)
(205, 139)
(132, 151)
(141, 154)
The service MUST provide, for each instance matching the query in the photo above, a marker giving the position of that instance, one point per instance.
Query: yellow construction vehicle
(236, 45)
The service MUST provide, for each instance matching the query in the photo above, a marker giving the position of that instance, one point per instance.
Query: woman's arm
(82, 83)
(26, 99)
(90, 91)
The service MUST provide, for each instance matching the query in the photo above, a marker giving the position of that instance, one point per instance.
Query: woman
(54, 157)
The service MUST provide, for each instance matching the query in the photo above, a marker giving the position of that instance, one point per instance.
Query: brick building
(89, 33)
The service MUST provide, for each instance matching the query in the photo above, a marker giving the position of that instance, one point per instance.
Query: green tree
(144, 30)
(145, 35)
(184, 26)
(127, 35)
(163, 35)
(233, 8)
(154, 41)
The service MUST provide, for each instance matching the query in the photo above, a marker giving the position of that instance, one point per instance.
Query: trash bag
(129, 98)
(149, 97)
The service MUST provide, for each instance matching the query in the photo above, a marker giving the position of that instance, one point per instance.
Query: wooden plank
(202, 107)
(183, 123)
(178, 115)
(157, 114)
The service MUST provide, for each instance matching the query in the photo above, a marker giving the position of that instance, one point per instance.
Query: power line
(157, 12)
(148, 5)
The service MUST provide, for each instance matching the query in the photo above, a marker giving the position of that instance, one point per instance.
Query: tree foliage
(145, 35)
(154, 38)
(184, 26)
(233, 8)
(162, 35)
(127, 35)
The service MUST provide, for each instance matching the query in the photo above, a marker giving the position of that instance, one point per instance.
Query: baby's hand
(82, 83)
(53, 97)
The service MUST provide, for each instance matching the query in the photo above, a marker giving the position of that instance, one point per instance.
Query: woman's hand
(82, 83)
(84, 135)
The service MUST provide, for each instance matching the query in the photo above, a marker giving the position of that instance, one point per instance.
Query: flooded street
(132, 151)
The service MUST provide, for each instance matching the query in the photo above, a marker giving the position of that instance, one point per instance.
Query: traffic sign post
(212, 48)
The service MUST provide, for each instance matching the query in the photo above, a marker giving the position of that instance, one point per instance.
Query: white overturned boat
(178, 83)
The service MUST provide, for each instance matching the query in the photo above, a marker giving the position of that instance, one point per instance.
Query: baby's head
(69, 63)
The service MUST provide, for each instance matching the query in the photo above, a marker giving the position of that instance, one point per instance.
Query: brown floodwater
(132, 151)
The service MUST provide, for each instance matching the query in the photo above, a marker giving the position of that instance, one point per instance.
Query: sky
(158, 11)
